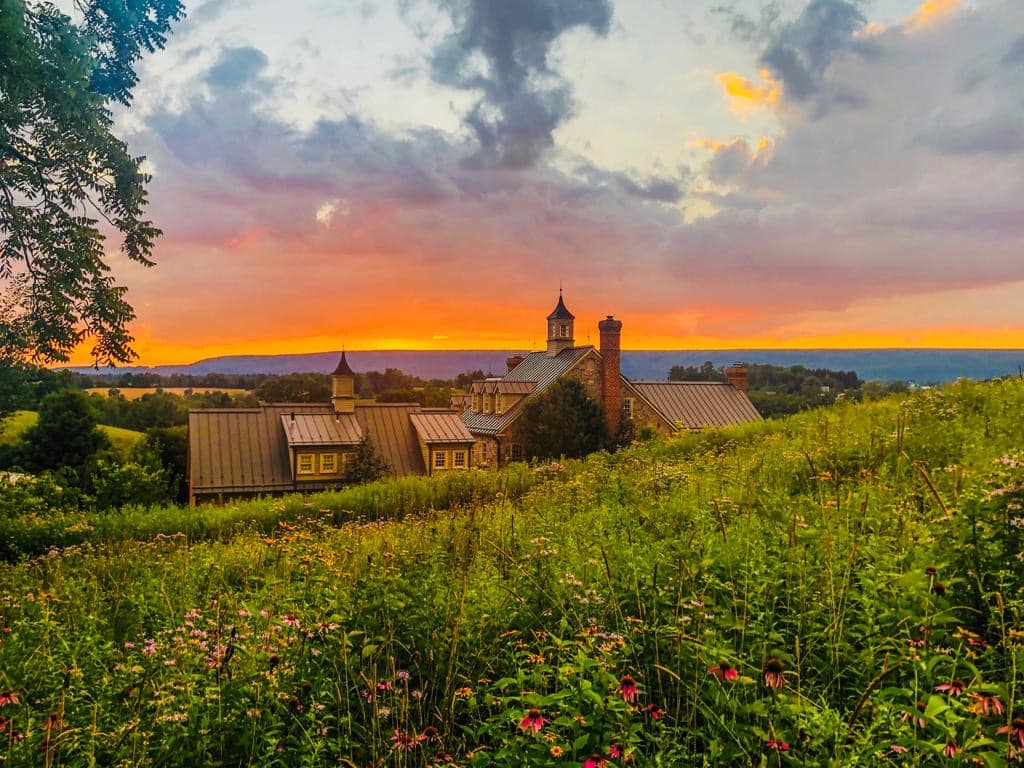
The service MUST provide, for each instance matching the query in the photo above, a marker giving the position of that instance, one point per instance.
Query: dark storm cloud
(236, 67)
(503, 49)
(802, 50)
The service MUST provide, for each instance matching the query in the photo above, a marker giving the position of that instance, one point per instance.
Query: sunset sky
(421, 174)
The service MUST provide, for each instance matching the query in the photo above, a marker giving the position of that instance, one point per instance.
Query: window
(497, 403)
(563, 331)
(439, 460)
(627, 407)
(328, 463)
(304, 464)
(459, 460)
(345, 459)
(517, 452)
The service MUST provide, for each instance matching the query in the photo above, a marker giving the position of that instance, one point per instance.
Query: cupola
(560, 331)
(343, 387)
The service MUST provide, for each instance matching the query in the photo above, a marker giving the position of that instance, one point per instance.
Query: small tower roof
(343, 368)
(561, 312)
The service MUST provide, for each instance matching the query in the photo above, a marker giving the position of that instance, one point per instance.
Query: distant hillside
(921, 366)
(12, 428)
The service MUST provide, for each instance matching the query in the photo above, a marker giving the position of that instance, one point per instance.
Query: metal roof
(245, 450)
(561, 312)
(321, 429)
(343, 368)
(393, 436)
(698, 404)
(242, 450)
(536, 367)
(443, 427)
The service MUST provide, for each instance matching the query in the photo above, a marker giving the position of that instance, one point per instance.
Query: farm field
(12, 428)
(843, 588)
(134, 393)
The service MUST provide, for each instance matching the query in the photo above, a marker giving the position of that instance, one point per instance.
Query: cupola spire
(343, 387)
(560, 327)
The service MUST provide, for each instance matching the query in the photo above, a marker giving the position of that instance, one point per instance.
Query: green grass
(838, 588)
(12, 428)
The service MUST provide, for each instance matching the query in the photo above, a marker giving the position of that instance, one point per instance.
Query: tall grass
(839, 588)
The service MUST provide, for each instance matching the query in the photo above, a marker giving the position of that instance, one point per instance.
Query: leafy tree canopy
(366, 465)
(65, 435)
(65, 180)
(563, 421)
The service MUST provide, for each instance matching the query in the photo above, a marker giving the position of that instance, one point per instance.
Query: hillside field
(12, 428)
(838, 588)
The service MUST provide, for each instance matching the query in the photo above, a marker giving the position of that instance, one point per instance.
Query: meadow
(136, 393)
(12, 428)
(842, 587)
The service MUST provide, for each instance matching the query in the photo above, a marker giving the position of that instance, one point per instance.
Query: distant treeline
(778, 390)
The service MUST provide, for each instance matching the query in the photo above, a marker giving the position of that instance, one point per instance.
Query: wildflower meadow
(839, 588)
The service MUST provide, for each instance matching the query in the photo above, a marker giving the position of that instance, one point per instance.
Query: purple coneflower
(986, 704)
(8, 697)
(954, 687)
(1015, 730)
(653, 710)
(595, 761)
(951, 749)
(532, 721)
(723, 671)
(403, 741)
(778, 746)
(773, 673)
(897, 749)
(628, 688)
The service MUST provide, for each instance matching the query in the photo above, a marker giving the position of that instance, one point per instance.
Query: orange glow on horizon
(154, 352)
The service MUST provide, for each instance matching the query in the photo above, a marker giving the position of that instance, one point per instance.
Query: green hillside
(839, 588)
(12, 428)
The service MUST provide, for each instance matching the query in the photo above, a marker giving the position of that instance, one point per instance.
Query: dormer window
(563, 331)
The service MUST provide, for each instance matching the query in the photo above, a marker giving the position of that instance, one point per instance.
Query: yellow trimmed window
(627, 407)
(440, 460)
(328, 463)
(304, 464)
(459, 460)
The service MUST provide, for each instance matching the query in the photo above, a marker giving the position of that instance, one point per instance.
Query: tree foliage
(65, 179)
(296, 388)
(65, 435)
(563, 421)
(366, 465)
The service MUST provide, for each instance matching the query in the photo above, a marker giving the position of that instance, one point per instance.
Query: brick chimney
(611, 381)
(737, 375)
(512, 362)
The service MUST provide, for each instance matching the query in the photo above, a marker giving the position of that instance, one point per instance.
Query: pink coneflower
(951, 749)
(532, 721)
(628, 689)
(773, 673)
(595, 761)
(954, 687)
(8, 697)
(653, 710)
(1015, 730)
(918, 720)
(986, 704)
(897, 749)
(723, 671)
(778, 746)
(615, 751)
(403, 741)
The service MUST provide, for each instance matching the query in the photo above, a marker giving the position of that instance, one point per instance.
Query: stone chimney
(611, 381)
(737, 375)
(512, 362)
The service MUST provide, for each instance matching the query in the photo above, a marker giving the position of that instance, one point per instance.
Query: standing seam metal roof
(321, 429)
(699, 404)
(536, 367)
(441, 428)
